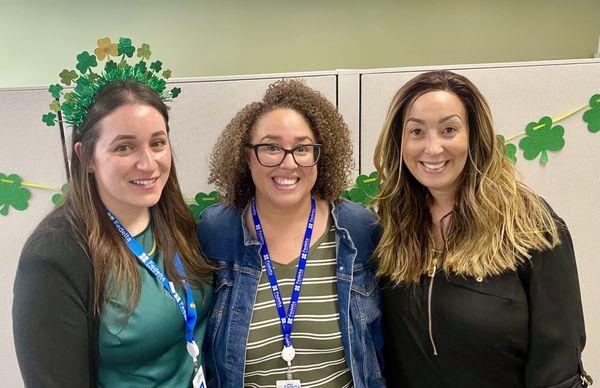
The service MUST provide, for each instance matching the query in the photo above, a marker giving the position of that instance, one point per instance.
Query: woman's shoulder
(217, 217)
(53, 242)
(356, 213)
(219, 229)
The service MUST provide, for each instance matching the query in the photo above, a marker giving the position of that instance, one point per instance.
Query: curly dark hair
(228, 167)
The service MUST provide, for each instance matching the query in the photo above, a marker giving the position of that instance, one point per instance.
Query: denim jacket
(229, 246)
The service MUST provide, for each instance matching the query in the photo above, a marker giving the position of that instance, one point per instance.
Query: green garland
(541, 137)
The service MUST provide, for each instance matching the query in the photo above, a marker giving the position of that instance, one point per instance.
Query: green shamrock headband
(77, 103)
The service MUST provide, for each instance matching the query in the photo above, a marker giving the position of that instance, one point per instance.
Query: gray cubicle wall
(519, 93)
(34, 151)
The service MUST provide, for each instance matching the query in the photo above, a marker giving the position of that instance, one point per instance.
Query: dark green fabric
(148, 349)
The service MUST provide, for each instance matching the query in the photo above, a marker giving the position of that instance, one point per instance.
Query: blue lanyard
(187, 309)
(286, 320)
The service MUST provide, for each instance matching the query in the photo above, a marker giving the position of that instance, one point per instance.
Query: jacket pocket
(365, 294)
(222, 290)
(502, 286)
(365, 308)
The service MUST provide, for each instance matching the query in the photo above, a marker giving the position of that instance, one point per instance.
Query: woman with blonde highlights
(296, 300)
(480, 285)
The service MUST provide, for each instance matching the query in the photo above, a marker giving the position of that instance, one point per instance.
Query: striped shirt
(320, 360)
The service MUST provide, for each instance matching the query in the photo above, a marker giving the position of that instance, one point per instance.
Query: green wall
(210, 38)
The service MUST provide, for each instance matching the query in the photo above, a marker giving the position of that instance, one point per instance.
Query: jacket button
(341, 267)
(479, 279)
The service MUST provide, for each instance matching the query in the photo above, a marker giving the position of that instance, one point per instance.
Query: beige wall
(203, 38)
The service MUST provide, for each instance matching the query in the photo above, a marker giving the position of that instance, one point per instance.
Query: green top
(316, 336)
(149, 349)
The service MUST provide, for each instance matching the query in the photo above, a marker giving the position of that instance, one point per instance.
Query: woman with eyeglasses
(296, 296)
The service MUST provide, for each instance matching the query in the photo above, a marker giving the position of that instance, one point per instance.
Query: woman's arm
(50, 317)
(557, 331)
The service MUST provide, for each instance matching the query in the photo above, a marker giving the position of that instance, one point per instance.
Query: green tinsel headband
(87, 83)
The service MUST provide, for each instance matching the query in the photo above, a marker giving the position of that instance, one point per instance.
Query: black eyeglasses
(272, 155)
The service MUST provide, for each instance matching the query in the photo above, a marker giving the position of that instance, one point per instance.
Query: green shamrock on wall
(85, 61)
(58, 198)
(12, 194)
(592, 116)
(510, 149)
(511, 152)
(367, 188)
(167, 74)
(203, 201)
(541, 138)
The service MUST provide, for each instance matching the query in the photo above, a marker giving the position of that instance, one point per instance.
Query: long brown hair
(496, 220)
(173, 224)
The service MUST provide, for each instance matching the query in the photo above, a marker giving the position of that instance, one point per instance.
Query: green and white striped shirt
(320, 360)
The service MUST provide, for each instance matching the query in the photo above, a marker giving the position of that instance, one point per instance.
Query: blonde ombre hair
(496, 220)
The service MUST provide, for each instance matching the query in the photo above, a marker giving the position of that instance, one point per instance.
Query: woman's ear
(78, 148)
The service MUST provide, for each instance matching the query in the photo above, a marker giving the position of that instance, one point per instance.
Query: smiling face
(132, 158)
(288, 184)
(435, 141)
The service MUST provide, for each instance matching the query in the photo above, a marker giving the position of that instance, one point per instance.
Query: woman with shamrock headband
(296, 296)
(111, 288)
(479, 282)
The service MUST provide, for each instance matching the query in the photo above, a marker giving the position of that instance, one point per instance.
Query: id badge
(199, 381)
(288, 384)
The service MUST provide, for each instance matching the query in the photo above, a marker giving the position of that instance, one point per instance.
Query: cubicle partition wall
(519, 93)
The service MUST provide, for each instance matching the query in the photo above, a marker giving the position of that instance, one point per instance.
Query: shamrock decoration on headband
(87, 83)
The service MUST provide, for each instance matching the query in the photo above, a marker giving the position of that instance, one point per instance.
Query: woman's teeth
(144, 182)
(433, 166)
(285, 182)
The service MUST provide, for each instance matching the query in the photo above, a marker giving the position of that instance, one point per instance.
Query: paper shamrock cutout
(156, 66)
(85, 61)
(367, 188)
(144, 51)
(67, 76)
(125, 47)
(88, 81)
(541, 138)
(54, 106)
(49, 119)
(110, 66)
(141, 67)
(203, 201)
(510, 150)
(58, 198)
(12, 194)
(175, 92)
(55, 90)
(106, 48)
(592, 116)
